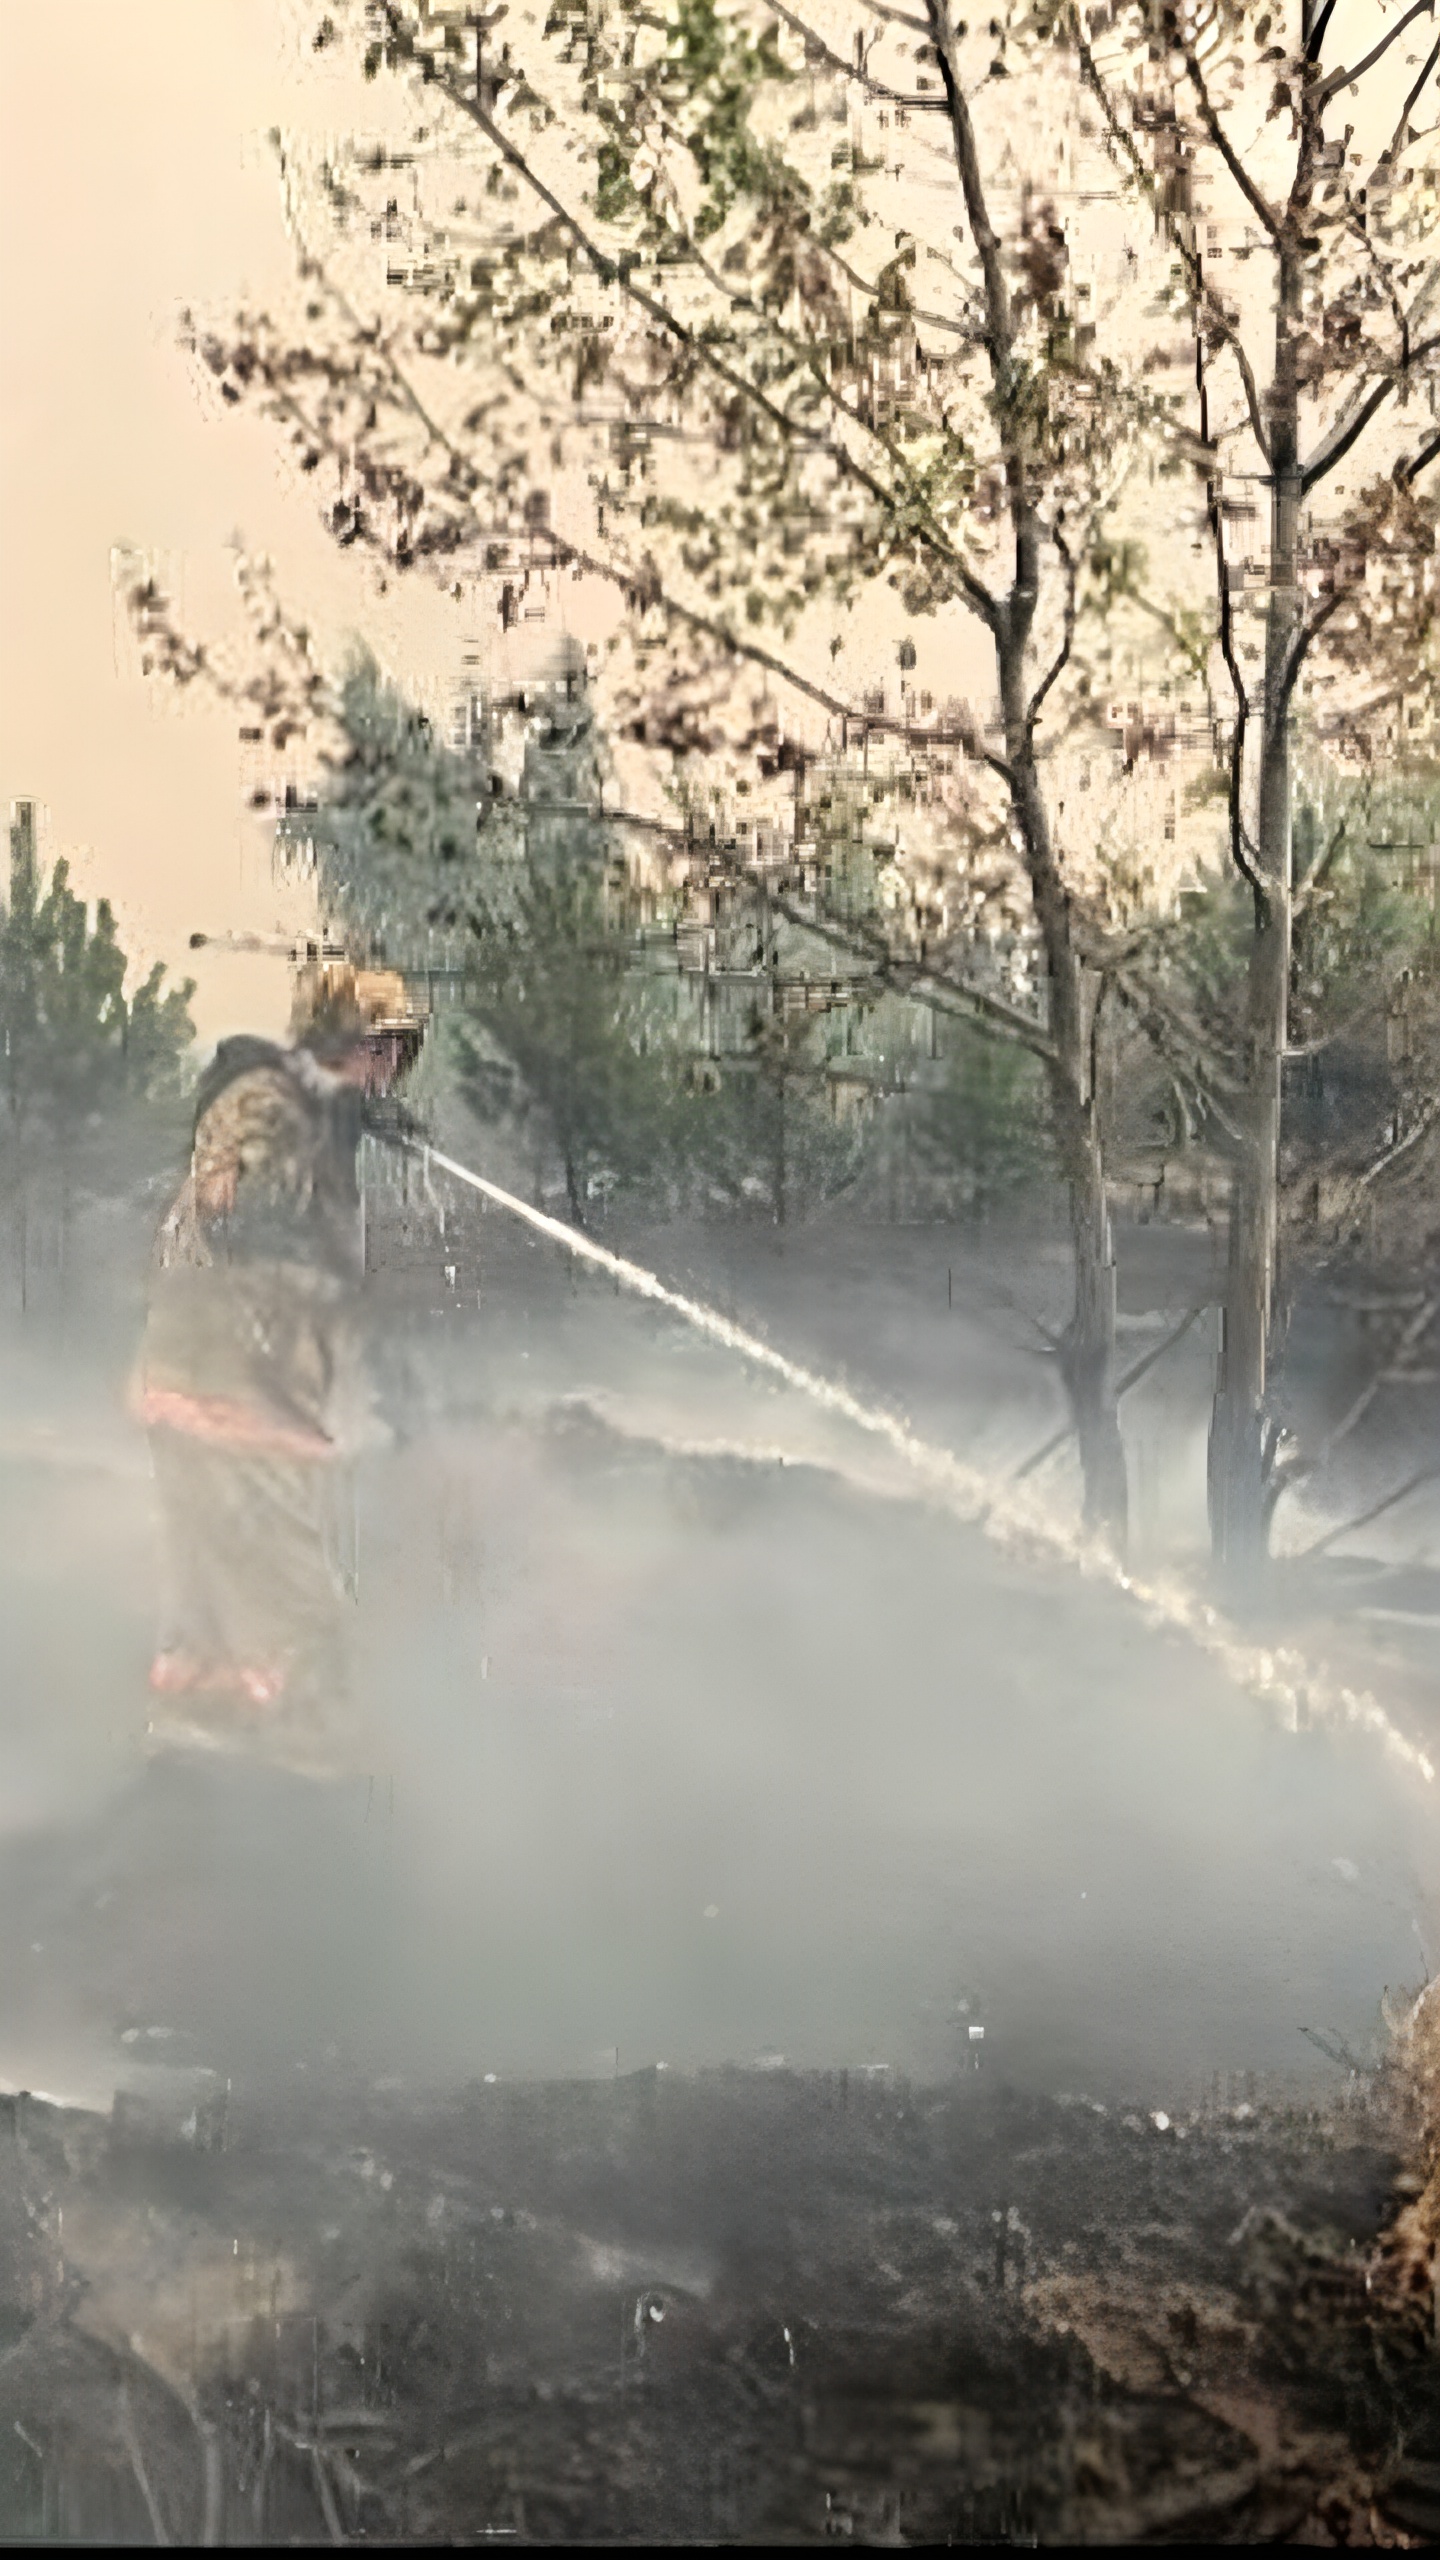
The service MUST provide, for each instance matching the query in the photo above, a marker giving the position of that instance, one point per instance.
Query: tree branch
(1123, 1385)
(1315, 877)
(1204, 293)
(1386, 1162)
(367, 331)
(943, 989)
(818, 49)
(803, 351)
(918, 978)
(1058, 663)
(1264, 213)
(1342, 437)
(1371, 1011)
(1245, 369)
(571, 554)
(1238, 852)
(1196, 659)
(1340, 441)
(1362, 1519)
(862, 284)
(1345, 79)
(999, 327)
(616, 272)
(955, 995)
(184, 661)
(897, 17)
(1409, 471)
(1411, 1333)
(733, 645)
(1392, 148)
(1178, 1043)
(1316, 37)
(999, 1296)
(1308, 632)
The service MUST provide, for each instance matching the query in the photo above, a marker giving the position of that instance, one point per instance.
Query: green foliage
(555, 1033)
(1365, 950)
(721, 69)
(558, 1038)
(84, 1068)
(713, 246)
(704, 77)
(1366, 915)
(981, 1132)
(564, 1034)
(393, 841)
(762, 1127)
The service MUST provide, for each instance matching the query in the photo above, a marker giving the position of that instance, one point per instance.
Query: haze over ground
(685, 1756)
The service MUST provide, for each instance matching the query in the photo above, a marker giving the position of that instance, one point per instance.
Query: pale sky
(136, 179)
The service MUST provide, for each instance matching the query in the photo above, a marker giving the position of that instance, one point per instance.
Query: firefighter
(251, 1381)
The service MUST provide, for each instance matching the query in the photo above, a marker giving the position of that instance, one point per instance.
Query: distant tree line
(90, 1077)
(763, 1078)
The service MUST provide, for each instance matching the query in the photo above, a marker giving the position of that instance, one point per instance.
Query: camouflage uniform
(251, 1382)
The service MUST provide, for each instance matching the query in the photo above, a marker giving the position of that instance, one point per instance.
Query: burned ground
(736, 2307)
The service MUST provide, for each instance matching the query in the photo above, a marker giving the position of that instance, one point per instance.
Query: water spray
(966, 1488)
(1299, 1692)
(1293, 1687)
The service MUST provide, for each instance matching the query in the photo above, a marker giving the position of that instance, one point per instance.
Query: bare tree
(766, 321)
(1281, 149)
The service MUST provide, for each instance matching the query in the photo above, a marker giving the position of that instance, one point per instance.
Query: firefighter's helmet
(337, 1006)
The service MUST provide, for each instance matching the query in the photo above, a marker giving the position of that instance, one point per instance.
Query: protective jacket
(252, 1339)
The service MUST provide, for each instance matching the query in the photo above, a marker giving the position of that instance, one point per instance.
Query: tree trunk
(1239, 1512)
(1239, 1454)
(1087, 1354)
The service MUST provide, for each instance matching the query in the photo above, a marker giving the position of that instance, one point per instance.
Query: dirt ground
(743, 2307)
